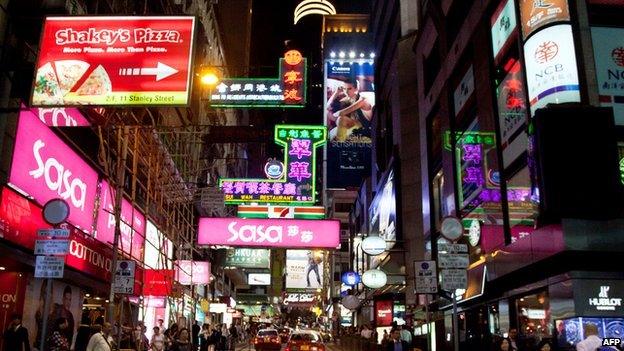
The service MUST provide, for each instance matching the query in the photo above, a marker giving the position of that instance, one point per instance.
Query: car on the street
(267, 339)
(305, 340)
(284, 333)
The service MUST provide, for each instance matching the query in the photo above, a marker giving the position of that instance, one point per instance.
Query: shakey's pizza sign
(114, 61)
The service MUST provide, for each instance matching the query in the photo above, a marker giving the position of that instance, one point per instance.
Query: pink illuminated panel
(268, 232)
(60, 116)
(200, 272)
(46, 168)
(132, 223)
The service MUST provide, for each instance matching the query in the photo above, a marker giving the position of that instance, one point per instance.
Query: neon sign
(297, 186)
(287, 90)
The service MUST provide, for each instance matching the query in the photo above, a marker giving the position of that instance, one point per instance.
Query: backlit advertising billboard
(349, 101)
(269, 233)
(304, 269)
(536, 14)
(551, 70)
(608, 46)
(248, 258)
(46, 168)
(109, 60)
(192, 272)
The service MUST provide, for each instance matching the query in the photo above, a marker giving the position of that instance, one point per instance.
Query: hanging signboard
(453, 279)
(287, 90)
(269, 232)
(298, 186)
(248, 258)
(299, 212)
(111, 60)
(502, 26)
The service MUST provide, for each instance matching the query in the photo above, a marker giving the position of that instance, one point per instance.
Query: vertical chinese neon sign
(297, 186)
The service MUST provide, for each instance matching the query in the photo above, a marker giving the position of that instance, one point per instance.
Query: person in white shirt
(366, 332)
(158, 340)
(101, 341)
(592, 341)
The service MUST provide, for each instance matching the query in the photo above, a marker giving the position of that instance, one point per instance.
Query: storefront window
(534, 320)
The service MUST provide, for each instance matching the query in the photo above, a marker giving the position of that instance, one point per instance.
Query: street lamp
(209, 78)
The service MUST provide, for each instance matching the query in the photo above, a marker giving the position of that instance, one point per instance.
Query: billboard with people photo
(349, 103)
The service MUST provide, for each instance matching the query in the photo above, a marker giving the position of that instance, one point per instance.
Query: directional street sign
(124, 277)
(453, 261)
(426, 277)
(452, 248)
(453, 279)
(57, 233)
(49, 266)
(51, 247)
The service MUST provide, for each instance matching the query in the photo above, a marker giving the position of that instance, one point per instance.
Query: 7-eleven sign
(300, 212)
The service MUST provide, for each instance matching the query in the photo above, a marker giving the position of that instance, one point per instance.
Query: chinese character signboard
(512, 114)
(349, 101)
(287, 90)
(552, 74)
(299, 212)
(298, 184)
(609, 59)
(268, 232)
(248, 258)
(538, 13)
(114, 61)
(503, 25)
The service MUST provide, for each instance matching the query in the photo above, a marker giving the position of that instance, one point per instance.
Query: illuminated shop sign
(248, 258)
(608, 46)
(300, 212)
(502, 25)
(298, 185)
(599, 298)
(46, 168)
(383, 313)
(268, 232)
(287, 90)
(192, 272)
(259, 279)
(60, 116)
(300, 299)
(512, 113)
(552, 75)
(538, 13)
(109, 60)
(304, 269)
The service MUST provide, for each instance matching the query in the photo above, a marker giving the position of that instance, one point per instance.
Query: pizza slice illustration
(47, 89)
(98, 83)
(69, 72)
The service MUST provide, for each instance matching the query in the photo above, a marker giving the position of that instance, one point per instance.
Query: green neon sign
(297, 185)
(483, 138)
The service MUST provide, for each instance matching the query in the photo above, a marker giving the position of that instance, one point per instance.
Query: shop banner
(109, 60)
(248, 258)
(66, 302)
(598, 298)
(609, 59)
(200, 272)
(158, 249)
(304, 269)
(383, 313)
(349, 102)
(536, 14)
(132, 224)
(60, 117)
(269, 232)
(45, 168)
(158, 282)
(551, 70)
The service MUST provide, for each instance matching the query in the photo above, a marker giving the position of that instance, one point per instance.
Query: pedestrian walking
(58, 341)
(183, 343)
(101, 341)
(16, 336)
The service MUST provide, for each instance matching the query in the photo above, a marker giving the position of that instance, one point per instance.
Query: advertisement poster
(538, 13)
(609, 58)
(384, 313)
(349, 102)
(109, 60)
(503, 24)
(46, 168)
(66, 303)
(512, 114)
(552, 75)
(304, 269)
(382, 216)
